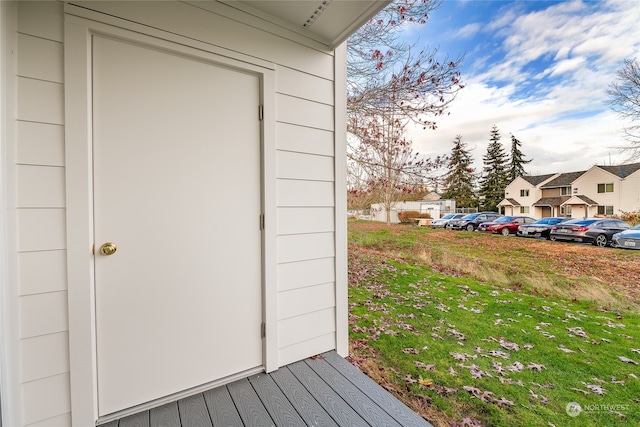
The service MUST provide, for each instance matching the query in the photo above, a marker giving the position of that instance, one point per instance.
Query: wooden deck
(322, 391)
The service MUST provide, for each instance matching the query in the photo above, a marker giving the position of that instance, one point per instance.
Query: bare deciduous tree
(392, 83)
(624, 99)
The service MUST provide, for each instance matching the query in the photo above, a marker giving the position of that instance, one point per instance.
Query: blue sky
(537, 69)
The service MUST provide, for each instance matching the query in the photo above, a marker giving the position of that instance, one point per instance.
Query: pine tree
(459, 180)
(517, 161)
(494, 173)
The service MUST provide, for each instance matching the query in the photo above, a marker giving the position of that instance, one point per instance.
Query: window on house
(605, 210)
(605, 188)
(565, 191)
(524, 193)
(565, 210)
(524, 209)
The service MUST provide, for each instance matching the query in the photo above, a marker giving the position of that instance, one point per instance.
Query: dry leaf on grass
(627, 360)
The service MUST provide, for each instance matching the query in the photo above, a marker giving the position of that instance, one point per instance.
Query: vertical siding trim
(269, 237)
(10, 367)
(340, 194)
(82, 357)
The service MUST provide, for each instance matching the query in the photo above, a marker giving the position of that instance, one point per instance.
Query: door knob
(108, 248)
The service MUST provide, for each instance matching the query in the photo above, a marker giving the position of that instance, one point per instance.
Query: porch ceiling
(325, 390)
(329, 22)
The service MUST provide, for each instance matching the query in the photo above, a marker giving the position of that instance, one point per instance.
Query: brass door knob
(108, 248)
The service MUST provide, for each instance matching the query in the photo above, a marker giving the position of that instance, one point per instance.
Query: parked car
(598, 231)
(509, 225)
(471, 221)
(628, 239)
(444, 221)
(484, 225)
(541, 227)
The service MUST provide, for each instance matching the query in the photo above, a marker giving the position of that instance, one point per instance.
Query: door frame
(79, 188)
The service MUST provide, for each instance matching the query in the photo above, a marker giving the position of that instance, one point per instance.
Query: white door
(176, 157)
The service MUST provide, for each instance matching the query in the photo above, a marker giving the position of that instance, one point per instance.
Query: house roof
(551, 201)
(563, 180)
(581, 200)
(329, 22)
(509, 202)
(537, 179)
(622, 171)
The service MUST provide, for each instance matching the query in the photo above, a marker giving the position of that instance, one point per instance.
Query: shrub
(632, 218)
(406, 216)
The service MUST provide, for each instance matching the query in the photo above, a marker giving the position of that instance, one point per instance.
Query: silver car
(628, 239)
(444, 221)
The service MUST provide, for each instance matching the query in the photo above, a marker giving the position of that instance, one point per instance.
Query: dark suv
(470, 222)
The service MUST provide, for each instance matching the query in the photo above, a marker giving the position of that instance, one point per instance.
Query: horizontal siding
(303, 112)
(40, 144)
(300, 247)
(293, 193)
(295, 275)
(305, 220)
(55, 346)
(305, 327)
(40, 101)
(41, 229)
(303, 85)
(42, 271)
(310, 347)
(303, 139)
(40, 58)
(308, 167)
(42, 19)
(41, 199)
(46, 398)
(43, 314)
(41, 186)
(63, 420)
(297, 302)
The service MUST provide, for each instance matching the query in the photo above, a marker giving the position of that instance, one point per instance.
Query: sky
(536, 69)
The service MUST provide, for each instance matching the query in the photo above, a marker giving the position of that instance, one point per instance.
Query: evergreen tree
(494, 173)
(459, 180)
(517, 161)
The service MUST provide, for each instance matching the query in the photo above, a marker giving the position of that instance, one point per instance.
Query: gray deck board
(321, 391)
(307, 405)
(331, 401)
(165, 416)
(281, 410)
(222, 409)
(401, 413)
(363, 405)
(250, 407)
(193, 412)
(137, 420)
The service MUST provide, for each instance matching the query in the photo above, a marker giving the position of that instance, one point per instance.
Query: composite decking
(321, 391)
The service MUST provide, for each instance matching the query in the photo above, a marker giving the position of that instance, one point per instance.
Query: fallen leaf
(627, 360)
(537, 366)
(425, 382)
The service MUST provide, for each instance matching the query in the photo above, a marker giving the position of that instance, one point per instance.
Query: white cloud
(561, 118)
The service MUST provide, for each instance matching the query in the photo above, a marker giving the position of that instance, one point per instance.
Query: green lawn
(476, 352)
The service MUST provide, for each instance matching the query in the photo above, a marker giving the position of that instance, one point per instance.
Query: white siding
(40, 198)
(305, 193)
(630, 193)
